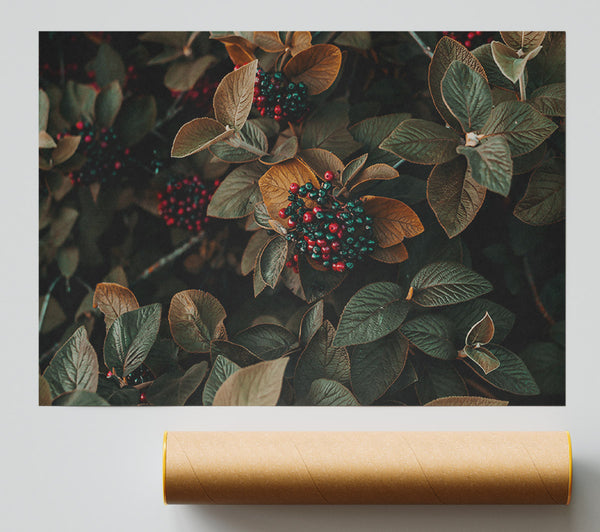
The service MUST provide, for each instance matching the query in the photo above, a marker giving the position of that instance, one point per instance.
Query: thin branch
(522, 91)
(46, 302)
(401, 161)
(538, 302)
(167, 259)
(426, 50)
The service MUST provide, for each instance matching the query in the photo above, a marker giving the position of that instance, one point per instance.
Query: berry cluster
(279, 98)
(140, 375)
(184, 202)
(470, 39)
(105, 157)
(334, 234)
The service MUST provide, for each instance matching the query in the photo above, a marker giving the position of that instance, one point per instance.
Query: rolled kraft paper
(367, 467)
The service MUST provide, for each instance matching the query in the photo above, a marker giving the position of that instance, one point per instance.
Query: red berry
(335, 245)
(291, 223)
(79, 125)
(282, 213)
(289, 264)
(277, 109)
(117, 165)
(317, 208)
(295, 258)
(325, 249)
(333, 227)
(329, 175)
(87, 138)
(307, 217)
(294, 187)
(142, 397)
(470, 35)
(468, 44)
(321, 242)
(340, 234)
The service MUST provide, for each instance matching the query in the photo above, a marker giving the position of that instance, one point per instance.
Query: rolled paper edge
(565, 501)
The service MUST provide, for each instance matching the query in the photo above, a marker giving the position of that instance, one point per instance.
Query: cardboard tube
(367, 468)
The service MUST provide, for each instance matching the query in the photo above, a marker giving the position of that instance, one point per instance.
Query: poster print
(302, 218)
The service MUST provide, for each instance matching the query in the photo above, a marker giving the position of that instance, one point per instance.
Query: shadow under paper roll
(367, 468)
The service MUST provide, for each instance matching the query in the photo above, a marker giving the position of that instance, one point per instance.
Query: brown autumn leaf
(269, 41)
(454, 196)
(46, 141)
(197, 135)
(379, 171)
(301, 41)
(113, 300)
(234, 95)
(393, 221)
(322, 161)
(458, 400)
(316, 67)
(391, 255)
(482, 332)
(238, 54)
(65, 148)
(275, 184)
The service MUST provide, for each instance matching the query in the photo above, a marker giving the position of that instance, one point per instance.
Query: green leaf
(524, 164)
(446, 51)
(111, 391)
(54, 317)
(512, 375)
(233, 97)
(257, 385)
(372, 131)
(375, 172)
(433, 334)
(272, 260)
(311, 321)
(108, 66)
(549, 66)
(550, 100)
(222, 369)
(466, 314)
(454, 196)
(74, 366)
(467, 95)
(466, 400)
(321, 360)
(438, 378)
(256, 243)
(510, 63)
(317, 284)
(353, 168)
(544, 201)
(447, 283)
(398, 387)
(67, 261)
(546, 362)
(238, 194)
(267, 341)
(78, 102)
(372, 312)
(174, 389)
(376, 366)
(494, 75)
(355, 39)
(482, 332)
(523, 40)
(108, 103)
(130, 338)
(136, 119)
(325, 392)
(198, 135)
(490, 164)
(284, 151)
(483, 357)
(80, 398)
(44, 110)
(251, 141)
(233, 352)
(196, 318)
(182, 75)
(522, 126)
(423, 142)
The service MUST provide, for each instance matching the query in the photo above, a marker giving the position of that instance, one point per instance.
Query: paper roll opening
(367, 468)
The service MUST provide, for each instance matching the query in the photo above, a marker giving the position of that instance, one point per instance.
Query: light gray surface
(100, 469)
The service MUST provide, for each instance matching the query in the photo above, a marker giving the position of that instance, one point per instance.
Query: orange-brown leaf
(391, 255)
(393, 221)
(300, 41)
(269, 41)
(316, 67)
(238, 54)
(322, 161)
(113, 300)
(275, 183)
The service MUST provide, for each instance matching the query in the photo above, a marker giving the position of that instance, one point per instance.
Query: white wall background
(91, 470)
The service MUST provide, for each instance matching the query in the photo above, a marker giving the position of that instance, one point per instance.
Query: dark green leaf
(510, 63)
(80, 398)
(108, 66)
(238, 194)
(376, 366)
(162, 357)
(284, 151)
(136, 119)
(355, 39)
(222, 369)
(183, 74)
(550, 100)
(317, 284)
(325, 392)
(272, 260)
(233, 352)
(447, 283)
(520, 124)
(423, 142)
(372, 312)
(467, 95)
(130, 338)
(311, 321)
(512, 375)
(267, 341)
(466, 314)
(108, 103)
(44, 109)
(353, 167)
(321, 360)
(546, 361)
(174, 389)
(251, 143)
(433, 334)
(111, 391)
(490, 164)
(196, 318)
(255, 245)
(372, 131)
(74, 366)
(494, 75)
(439, 378)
